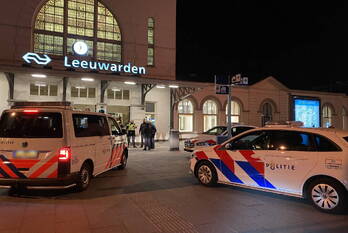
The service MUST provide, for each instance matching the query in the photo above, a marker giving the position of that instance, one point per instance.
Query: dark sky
(301, 43)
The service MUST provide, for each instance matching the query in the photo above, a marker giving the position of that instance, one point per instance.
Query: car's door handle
(294, 158)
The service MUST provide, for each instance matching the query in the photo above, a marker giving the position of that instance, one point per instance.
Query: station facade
(119, 57)
(266, 100)
(112, 56)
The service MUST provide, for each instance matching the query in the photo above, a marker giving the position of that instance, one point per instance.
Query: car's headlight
(202, 144)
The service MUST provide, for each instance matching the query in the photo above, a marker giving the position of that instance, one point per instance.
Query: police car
(209, 137)
(286, 159)
(49, 146)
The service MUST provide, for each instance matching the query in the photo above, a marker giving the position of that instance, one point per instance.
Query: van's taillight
(64, 154)
(64, 158)
(31, 111)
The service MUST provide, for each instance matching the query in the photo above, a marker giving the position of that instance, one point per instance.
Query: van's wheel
(328, 195)
(124, 161)
(84, 177)
(206, 174)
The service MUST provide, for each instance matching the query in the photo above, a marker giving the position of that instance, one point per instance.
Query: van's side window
(115, 128)
(90, 125)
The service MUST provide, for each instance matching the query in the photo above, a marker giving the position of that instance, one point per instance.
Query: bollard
(173, 140)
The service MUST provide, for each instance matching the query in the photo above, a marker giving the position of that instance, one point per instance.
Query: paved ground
(156, 194)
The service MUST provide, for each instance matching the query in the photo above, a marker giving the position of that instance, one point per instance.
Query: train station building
(113, 56)
(119, 57)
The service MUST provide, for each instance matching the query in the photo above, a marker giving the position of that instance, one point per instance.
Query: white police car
(209, 138)
(302, 162)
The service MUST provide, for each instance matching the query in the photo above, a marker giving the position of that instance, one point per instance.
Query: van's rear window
(31, 125)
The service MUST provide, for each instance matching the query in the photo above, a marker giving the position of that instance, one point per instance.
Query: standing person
(131, 126)
(141, 132)
(153, 133)
(147, 136)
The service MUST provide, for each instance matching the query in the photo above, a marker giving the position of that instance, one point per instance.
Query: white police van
(302, 162)
(48, 145)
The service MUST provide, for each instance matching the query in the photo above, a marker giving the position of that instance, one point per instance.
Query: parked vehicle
(302, 162)
(208, 138)
(49, 145)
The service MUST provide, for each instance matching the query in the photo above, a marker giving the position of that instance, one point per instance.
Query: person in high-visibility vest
(131, 127)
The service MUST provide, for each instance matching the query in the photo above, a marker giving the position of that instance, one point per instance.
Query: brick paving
(156, 194)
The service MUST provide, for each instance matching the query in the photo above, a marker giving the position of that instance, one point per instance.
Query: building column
(65, 86)
(10, 79)
(101, 107)
(198, 121)
(104, 85)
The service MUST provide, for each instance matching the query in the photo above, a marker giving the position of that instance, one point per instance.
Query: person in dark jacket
(147, 136)
(141, 132)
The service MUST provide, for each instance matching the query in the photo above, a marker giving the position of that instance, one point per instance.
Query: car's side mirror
(115, 133)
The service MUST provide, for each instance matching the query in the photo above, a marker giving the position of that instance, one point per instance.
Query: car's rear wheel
(328, 195)
(84, 177)
(206, 174)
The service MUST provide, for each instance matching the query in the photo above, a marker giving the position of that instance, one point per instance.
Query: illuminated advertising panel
(307, 110)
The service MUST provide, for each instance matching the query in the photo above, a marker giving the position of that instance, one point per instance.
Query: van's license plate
(22, 154)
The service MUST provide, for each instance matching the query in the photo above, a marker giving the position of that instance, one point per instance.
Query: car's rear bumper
(41, 183)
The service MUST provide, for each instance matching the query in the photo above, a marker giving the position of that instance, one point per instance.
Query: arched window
(327, 116)
(267, 113)
(235, 112)
(185, 109)
(210, 114)
(61, 23)
(150, 41)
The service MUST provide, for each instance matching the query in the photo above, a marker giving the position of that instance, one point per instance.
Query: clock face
(80, 48)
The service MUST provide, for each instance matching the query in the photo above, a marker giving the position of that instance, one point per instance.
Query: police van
(286, 159)
(48, 145)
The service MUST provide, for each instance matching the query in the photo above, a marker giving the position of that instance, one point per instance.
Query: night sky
(302, 44)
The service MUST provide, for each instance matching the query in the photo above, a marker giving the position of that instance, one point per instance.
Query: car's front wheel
(206, 174)
(328, 195)
(124, 161)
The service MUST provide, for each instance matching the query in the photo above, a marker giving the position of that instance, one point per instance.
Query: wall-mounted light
(160, 86)
(173, 86)
(130, 83)
(39, 76)
(88, 79)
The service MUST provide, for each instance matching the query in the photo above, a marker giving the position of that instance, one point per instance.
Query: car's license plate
(25, 154)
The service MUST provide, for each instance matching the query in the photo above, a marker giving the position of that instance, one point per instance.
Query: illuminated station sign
(81, 48)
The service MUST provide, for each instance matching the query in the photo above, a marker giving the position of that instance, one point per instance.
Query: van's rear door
(30, 140)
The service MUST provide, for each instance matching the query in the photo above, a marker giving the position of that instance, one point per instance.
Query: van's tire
(124, 161)
(328, 195)
(206, 174)
(84, 177)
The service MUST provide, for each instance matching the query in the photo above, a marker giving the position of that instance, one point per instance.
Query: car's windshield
(216, 130)
(237, 130)
(31, 125)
